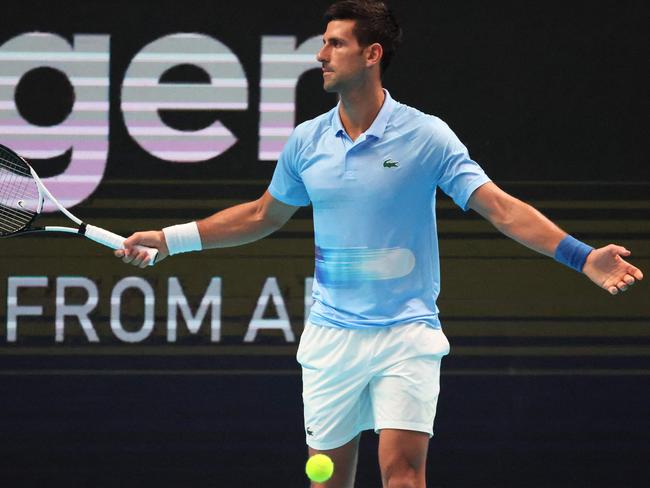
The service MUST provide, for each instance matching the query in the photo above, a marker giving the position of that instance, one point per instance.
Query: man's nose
(320, 55)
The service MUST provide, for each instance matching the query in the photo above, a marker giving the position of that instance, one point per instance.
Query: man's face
(341, 56)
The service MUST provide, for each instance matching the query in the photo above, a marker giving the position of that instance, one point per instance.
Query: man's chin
(329, 87)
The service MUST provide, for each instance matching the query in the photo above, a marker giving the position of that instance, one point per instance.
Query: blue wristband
(572, 252)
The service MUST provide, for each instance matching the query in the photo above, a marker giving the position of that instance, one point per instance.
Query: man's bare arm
(604, 266)
(234, 226)
(244, 223)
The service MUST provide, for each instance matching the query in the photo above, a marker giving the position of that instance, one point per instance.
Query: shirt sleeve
(459, 175)
(287, 184)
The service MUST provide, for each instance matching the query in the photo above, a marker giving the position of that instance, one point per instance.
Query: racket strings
(19, 196)
(14, 166)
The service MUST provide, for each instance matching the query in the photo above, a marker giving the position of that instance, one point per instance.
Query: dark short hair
(374, 22)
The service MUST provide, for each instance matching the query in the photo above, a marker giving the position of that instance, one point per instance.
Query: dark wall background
(547, 380)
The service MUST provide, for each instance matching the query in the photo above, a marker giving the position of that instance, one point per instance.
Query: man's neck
(359, 108)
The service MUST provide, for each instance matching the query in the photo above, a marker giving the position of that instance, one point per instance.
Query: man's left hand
(607, 268)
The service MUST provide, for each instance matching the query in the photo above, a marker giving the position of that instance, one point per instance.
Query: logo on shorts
(310, 432)
(389, 163)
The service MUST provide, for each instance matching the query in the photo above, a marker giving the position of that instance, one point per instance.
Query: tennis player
(372, 349)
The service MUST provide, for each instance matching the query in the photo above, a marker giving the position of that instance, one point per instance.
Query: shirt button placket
(348, 171)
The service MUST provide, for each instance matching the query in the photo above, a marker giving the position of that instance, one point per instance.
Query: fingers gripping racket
(22, 195)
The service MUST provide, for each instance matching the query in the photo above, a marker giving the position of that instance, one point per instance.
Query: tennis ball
(319, 468)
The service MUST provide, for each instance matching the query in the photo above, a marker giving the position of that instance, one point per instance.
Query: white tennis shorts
(360, 379)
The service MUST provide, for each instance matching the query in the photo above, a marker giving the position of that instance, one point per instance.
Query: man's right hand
(152, 238)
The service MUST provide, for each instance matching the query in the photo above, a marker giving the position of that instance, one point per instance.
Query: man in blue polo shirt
(373, 203)
(370, 167)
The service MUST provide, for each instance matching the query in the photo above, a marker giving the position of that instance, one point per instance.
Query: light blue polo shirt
(377, 258)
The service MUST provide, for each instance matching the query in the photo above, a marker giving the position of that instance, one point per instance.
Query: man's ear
(374, 53)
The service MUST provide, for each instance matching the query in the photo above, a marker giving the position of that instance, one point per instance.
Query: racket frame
(97, 234)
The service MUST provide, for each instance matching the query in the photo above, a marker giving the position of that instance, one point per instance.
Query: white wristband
(183, 238)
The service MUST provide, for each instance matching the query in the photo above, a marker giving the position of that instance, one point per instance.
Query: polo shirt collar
(378, 126)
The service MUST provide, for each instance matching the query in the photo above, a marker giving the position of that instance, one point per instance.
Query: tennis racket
(22, 195)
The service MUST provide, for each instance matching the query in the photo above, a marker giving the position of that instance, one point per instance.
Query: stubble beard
(329, 86)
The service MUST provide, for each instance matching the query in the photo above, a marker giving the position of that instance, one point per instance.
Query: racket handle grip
(116, 241)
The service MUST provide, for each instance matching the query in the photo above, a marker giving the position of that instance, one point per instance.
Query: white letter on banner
(116, 307)
(13, 309)
(80, 311)
(176, 298)
(143, 96)
(282, 66)
(85, 130)
(270, 290)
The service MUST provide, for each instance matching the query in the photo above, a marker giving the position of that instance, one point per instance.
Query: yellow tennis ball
(319, 468)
